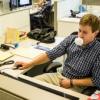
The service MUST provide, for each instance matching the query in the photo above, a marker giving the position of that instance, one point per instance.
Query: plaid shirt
(81, 62)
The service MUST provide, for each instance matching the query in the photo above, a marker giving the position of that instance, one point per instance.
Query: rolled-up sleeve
(96, 73)
(60, 49)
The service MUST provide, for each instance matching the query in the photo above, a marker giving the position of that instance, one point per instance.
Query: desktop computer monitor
(22, 3)
(19, 3)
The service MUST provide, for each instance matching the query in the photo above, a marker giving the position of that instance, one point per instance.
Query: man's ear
(97, 32)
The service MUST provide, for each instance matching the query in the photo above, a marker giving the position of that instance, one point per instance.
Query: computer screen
(19, 3)
(24, 3)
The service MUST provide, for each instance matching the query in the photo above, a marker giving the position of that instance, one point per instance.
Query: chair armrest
(89, 90)
(38, 16)
(52, 67)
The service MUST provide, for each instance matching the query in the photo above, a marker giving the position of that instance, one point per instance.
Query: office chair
(48, 67)
(41, 19)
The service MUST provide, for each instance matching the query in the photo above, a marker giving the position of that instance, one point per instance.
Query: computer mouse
(16, 66)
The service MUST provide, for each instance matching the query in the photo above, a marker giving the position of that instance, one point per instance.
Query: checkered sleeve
(60, 49)
(96, 73)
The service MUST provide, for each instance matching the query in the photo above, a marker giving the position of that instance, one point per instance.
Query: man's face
(85, 32)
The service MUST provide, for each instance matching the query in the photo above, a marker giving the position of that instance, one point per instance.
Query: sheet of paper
(30, 52)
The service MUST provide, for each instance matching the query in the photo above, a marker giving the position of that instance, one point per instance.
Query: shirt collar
(89, 45)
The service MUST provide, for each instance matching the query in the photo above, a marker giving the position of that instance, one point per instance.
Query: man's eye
(84, 32)
(79, 30)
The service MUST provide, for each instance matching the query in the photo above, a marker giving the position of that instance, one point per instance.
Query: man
(82, 66)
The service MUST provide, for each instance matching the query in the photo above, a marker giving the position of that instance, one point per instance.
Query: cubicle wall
(6, 95)
(4, 5)
(64, 7)
(16, 19)
(91, 2)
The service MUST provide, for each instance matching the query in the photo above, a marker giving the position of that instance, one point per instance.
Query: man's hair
(91, 20)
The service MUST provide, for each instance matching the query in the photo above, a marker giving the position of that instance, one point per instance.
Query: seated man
(82, 66)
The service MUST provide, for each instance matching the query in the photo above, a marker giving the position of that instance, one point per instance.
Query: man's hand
(65, 83)
(24, 65)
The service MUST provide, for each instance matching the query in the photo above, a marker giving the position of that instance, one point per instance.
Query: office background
(20, 19)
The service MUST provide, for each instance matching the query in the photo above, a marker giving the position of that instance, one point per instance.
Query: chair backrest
(46, 10)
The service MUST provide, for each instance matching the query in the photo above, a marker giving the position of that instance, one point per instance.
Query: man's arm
(82, 82)
(67, 83)
(40, 59)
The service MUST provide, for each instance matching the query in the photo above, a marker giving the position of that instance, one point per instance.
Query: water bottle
(82, 8)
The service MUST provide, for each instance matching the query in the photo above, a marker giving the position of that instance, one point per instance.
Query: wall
(4, 5)
(16, 19)
(91, 2)
(93, 6)
(64, 7)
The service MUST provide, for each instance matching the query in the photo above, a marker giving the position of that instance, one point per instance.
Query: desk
(7, 69)
(24, 91)
(30, 42)
(25, 52)
(17, 90)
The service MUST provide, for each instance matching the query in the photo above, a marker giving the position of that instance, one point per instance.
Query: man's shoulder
(98, 44)
(71, 37)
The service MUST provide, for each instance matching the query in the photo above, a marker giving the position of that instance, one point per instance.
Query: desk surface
(27, 91)
(25, 52)
(29, 42)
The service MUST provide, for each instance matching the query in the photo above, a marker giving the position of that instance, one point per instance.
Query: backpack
(46, 35)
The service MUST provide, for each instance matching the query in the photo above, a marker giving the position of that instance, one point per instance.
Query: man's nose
(80, 35)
